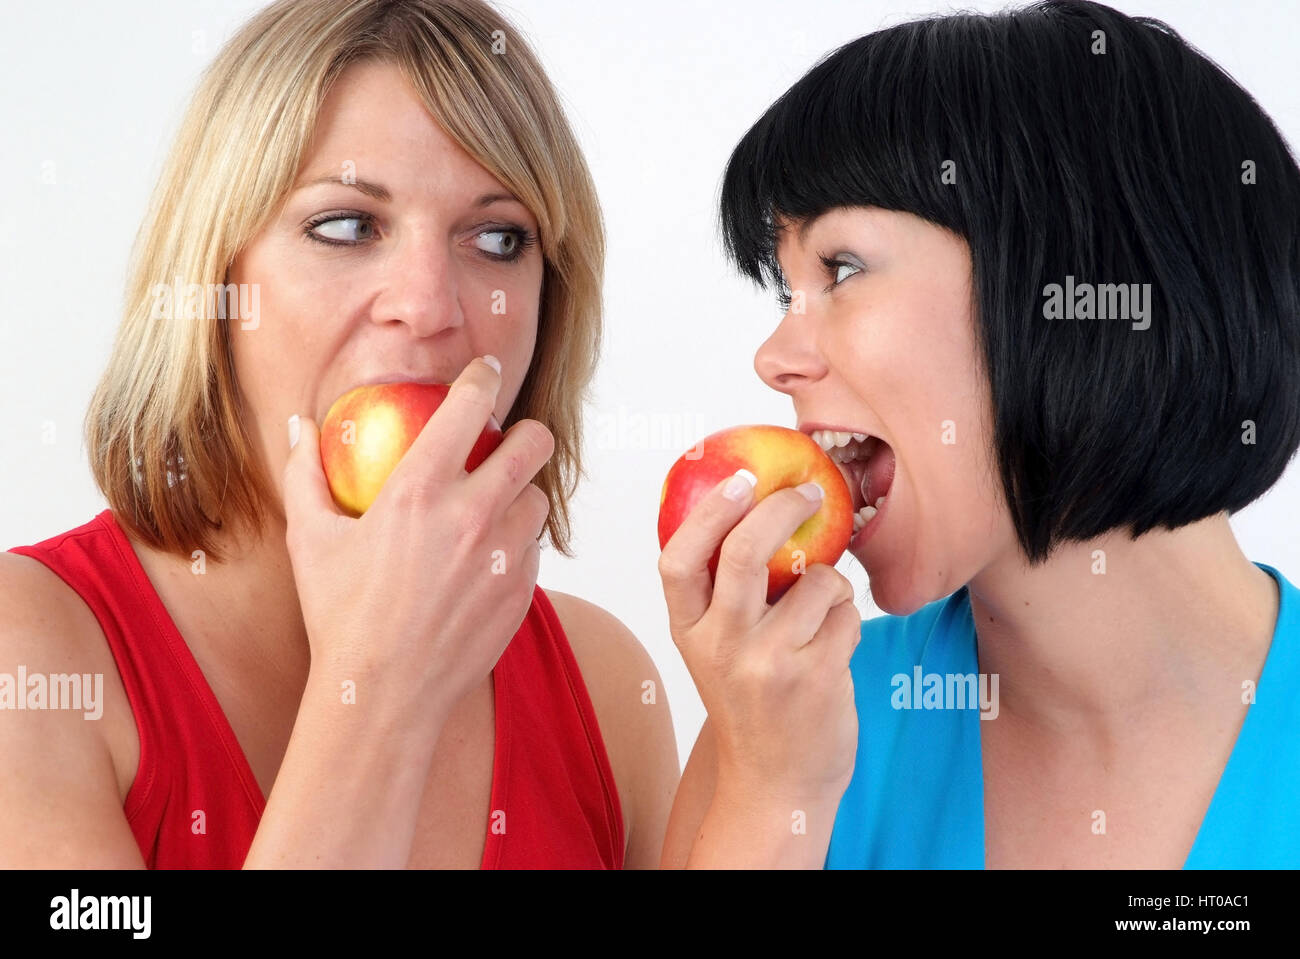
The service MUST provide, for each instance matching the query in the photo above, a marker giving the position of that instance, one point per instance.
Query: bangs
(866, 126)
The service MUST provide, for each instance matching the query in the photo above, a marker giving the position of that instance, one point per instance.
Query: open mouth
(867, 463)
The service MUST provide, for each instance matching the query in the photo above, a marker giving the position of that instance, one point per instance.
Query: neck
(1176, 617)
(250, 597)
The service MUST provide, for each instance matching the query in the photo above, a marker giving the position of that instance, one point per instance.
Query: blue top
(917, 795)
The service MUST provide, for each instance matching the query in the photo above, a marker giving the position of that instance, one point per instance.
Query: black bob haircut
(1132, 165)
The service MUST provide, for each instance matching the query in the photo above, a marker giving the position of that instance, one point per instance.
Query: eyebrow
(808, 224)
(804, 227)
(380, 193)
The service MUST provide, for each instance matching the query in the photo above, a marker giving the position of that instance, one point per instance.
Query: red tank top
(554, 800)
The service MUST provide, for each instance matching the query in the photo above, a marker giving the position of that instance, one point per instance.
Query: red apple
(368, 429)
(779, 457)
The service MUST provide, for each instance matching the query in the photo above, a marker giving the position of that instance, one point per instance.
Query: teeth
(829, 439)
(864, 516)
(839, 446)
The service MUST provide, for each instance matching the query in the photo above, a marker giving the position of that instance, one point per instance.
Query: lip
(868, 532)
(860, 538)
(380, 378)
(811, 426)
(399, 378)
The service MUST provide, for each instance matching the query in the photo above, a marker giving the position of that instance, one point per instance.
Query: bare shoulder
(47, 629)
(599, 637)
(635, 721)
(40, 612)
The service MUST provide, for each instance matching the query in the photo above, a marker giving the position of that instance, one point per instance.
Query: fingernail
(813, 491)
(492, 361)
(741, 483)
(293, 431)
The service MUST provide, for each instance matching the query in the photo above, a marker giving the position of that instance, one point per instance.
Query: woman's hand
(421, 595)
(774, 679)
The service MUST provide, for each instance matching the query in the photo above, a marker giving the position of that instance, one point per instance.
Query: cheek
(933, 397)
(501, 316)
(274, 361)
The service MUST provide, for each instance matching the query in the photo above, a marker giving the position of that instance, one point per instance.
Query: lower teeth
(863, 516)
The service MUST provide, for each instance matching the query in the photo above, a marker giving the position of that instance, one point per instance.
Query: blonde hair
(166, 440)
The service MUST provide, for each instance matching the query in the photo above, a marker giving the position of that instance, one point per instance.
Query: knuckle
(412, 495)
(671, 569)
(846, 618)
(540, 502)
(541, 437)
(829, 581)
(475, 393)
(472, 526)
(821, 577)
(514, 466)
(738, 551)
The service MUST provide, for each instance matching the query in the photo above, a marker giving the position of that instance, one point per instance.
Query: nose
(789, 359)
(420, 286)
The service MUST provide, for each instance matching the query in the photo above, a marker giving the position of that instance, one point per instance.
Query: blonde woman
(380, 191)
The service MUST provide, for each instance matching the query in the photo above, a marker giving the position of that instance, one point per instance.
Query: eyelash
(525, 238)
(830, 265)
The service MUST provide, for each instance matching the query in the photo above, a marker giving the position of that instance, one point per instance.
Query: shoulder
(598, 637)
(1288, 610)
(46, 627)
(41, 612)
(631, 706)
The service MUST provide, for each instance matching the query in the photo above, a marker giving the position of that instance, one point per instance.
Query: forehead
(859, 224)
(373, 117)
(795, 234)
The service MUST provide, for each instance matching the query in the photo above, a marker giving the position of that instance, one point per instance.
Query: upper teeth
(841, 447)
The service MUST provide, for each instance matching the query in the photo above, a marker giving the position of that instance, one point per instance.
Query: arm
(621, 679)
(63, 806)
(734, 826)
(325, 810)
(60, 808)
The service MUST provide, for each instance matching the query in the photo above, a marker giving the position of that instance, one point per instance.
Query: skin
(1118, 692)
(417, 296)
(413, 296)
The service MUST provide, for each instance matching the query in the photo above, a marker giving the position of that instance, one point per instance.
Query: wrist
(759, 828)
(384, 696)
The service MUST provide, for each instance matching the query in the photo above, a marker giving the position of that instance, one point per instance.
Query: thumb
(306, 490)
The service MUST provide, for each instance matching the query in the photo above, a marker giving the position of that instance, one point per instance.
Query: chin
(899, 593)
(895, 605)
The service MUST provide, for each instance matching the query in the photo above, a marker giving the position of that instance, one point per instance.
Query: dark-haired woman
(1043, 299)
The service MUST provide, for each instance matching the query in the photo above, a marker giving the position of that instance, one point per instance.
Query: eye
(839, 269)
(506, 244)
(841, 276)
(348, 229)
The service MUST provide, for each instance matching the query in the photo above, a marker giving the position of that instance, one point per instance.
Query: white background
(658, 93)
